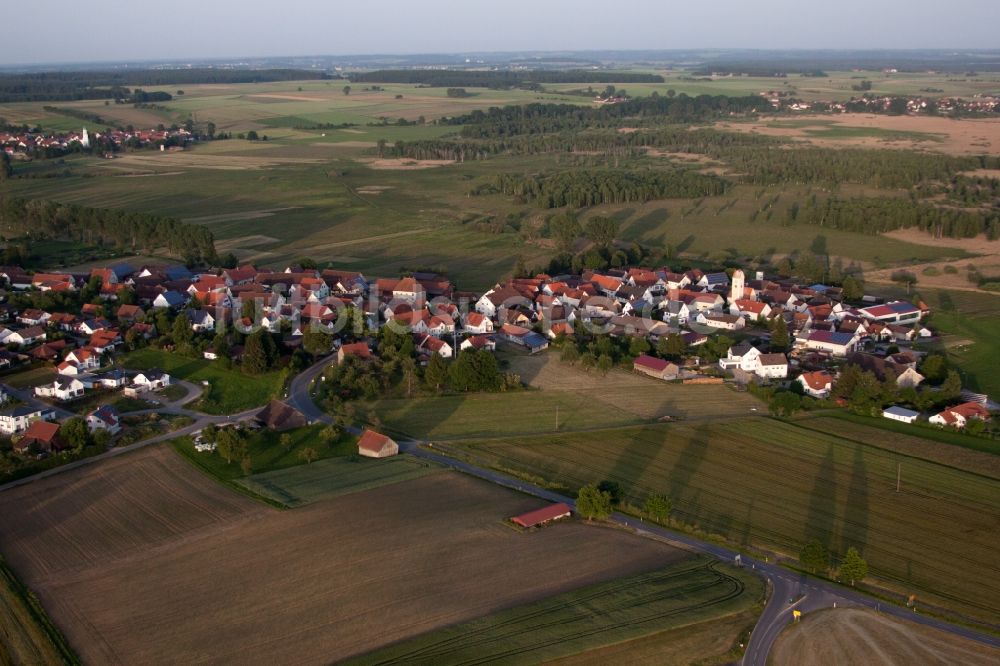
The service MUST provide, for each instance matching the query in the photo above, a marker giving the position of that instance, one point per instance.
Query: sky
(116, 30)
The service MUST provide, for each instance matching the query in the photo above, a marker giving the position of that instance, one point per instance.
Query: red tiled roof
(650, 362)
(372, 441)
(543, 515)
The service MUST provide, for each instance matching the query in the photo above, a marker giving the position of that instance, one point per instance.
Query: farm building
(544, 515)
(524, 337)
(655, 367)
(357, 349)
(376, 445)
(280, 416)
(900, 414)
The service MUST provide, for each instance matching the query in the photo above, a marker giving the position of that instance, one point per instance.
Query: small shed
(544, 515)
(376, 445)
(900, 414)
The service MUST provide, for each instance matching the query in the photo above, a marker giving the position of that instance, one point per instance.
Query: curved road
(788, 590)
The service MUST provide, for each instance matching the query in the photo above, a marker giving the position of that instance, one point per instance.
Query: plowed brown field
(143, 560)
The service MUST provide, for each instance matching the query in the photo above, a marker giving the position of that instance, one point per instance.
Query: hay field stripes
(332, 477)
(772, 484)
(584, 619)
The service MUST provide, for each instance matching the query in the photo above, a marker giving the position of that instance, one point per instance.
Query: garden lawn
(229, 392)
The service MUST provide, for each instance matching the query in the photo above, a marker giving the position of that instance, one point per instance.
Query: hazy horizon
(253, 29)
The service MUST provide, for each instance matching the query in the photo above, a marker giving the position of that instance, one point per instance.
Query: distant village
(763, 331)
(23, 144)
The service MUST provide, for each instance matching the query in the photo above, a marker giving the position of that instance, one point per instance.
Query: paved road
(788, 590)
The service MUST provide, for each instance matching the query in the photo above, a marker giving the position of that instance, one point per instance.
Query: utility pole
(898, 466)
(557, 418)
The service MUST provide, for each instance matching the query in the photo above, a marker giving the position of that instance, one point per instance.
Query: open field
(305, 484)
(26, 633)
(856, 637)
(396, 562)
(965, 452)
(228, 392)
(619, 611)
(322, 193)
(860, 130)
(762, 482)
(578, 399)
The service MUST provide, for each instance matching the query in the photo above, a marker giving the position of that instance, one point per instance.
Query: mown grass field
(228, 392)
(331, 580)
(27, 636)
(561, 398)
(854, 636)
(762, 482)
(941, 445)
(620, 611)
(305, 484)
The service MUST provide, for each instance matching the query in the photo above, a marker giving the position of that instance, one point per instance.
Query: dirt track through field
(144, 560)
(850, 637)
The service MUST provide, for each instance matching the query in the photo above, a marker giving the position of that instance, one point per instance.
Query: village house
(41, 436)
(477, 323)
(721, 321)
(960, 415)
(816, 384)
(26, 336)
(17, 419)
(151, 380)
(772, 366)
(428, 344)
(357, 350)
(104, 417)
(63, 388)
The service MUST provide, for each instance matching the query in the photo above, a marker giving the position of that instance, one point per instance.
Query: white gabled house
(63, 388)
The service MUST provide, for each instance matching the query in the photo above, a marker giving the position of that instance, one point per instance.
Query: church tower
(85, 139)
(738, 288)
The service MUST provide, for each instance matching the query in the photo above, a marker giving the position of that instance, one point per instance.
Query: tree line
(877, 215)
(540, 118)
(80, 85)
(137, 232)
(499, 79)
(592, 188)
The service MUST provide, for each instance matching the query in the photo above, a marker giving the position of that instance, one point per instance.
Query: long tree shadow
(822, 512)
(689, 462)
(855, 532)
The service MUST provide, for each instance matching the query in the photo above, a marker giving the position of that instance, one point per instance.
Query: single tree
(101, 438)
(246, 465)
(286, 441)
(308, 454)
(671, 347)
(779, 335)
(853, 567)
(182, 333)
(436, 373)
(75, 432)
(658, 507)
(255, 357)
(604, 364)
(347, 90)
(593, 503)
(330, 434)
(815, 557)
(569, 354)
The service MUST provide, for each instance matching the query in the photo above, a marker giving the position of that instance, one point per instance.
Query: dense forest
(872, 216)
(136, 232)
(592, 188)
(498, 122)
(499, 79)
(65, 86)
